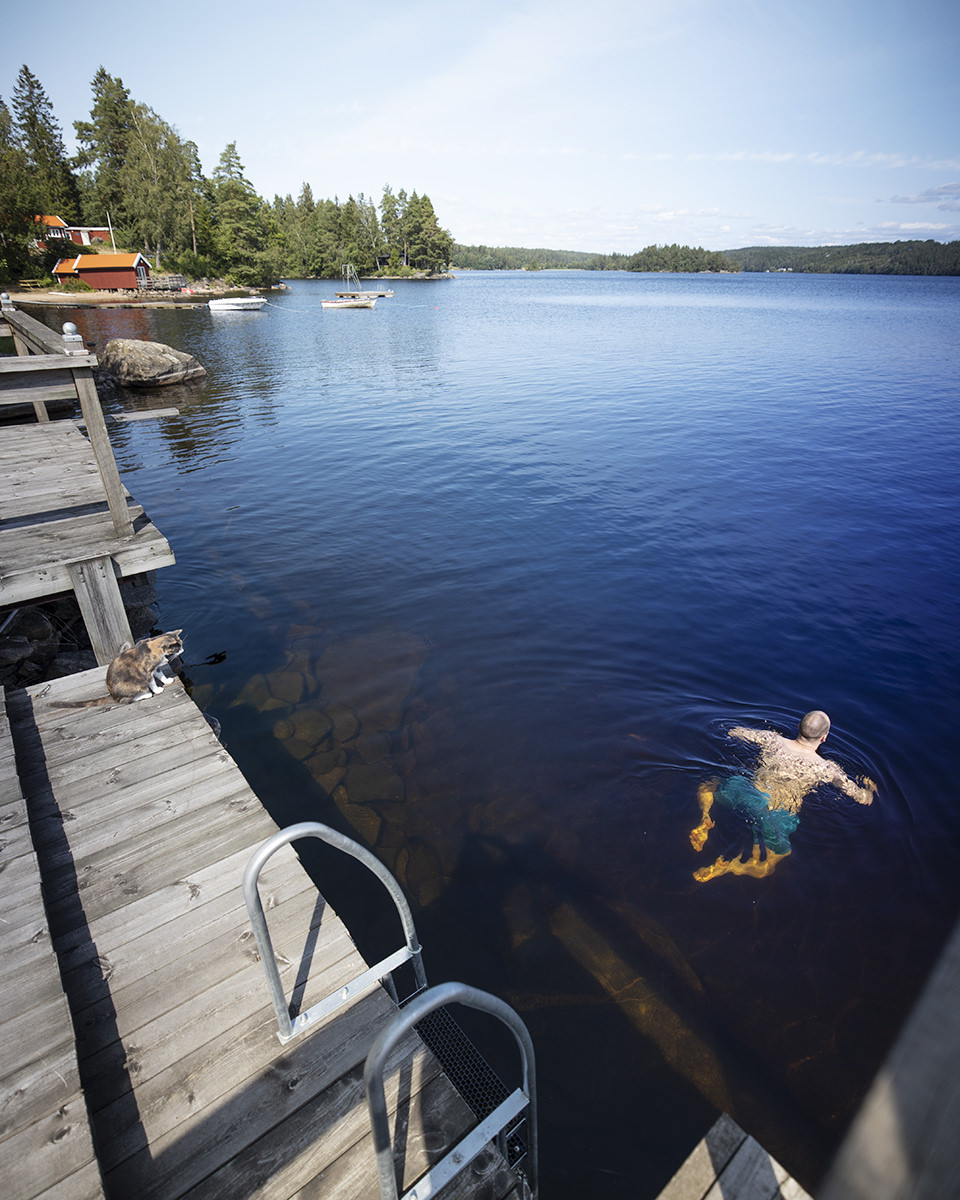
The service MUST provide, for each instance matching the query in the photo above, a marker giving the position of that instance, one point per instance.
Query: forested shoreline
(864, 258)
(134, 171)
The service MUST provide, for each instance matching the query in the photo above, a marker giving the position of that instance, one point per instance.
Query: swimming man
(771, 801)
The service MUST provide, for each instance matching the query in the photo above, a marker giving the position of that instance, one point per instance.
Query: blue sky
(603, 125)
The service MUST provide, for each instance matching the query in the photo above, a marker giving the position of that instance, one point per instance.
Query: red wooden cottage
(57, 231)
(105, 272)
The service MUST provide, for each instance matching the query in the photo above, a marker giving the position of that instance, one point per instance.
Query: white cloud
(946, 197)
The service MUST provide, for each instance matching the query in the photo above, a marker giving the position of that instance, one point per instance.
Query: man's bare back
(788, 771)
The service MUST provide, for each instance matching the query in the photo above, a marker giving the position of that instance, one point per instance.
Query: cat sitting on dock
(138, 671)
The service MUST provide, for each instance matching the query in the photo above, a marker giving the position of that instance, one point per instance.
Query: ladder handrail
(473, 1142)
(288, 1028)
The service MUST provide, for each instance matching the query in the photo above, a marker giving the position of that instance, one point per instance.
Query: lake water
(485, 575)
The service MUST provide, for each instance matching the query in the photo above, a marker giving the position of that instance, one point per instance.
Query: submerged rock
(133, 363)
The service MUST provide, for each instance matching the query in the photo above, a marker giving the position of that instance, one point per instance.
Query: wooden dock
(66, 521)
(729, 1165)
(142, 826)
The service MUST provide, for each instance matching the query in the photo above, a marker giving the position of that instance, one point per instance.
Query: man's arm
(747, 735)
(862, 794)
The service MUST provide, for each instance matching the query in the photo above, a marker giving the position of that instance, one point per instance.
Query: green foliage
(73, 285)
(104, 142)
(864, 258)
(17, 210)
(653, 258)
(135, 167)
(316, 238)
(52, 186)
(686, 259)
(513, 258)
(194, 266)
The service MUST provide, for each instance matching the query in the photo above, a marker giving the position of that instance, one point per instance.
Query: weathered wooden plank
(44, 1134)
(190, 1112)
(160, 805)
(192, 1152)
(98, 594)
(200, 966)
(47, 509)
(102, 448)
(328, 1152)
(109, 729)
(71, 539)
(121, 785)
(165, 1040)
(706, 1161)
(109, 879)
(433, 1119)
(55, 719)
(752, 1174)
(289, 1155)
(728, 1163)
(211, 884)
(37, 1088)
(83, 1184)
(38, 389)
(48, 1151)
(36, 574)
(45, 363)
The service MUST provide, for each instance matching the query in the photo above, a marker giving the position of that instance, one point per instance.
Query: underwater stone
(366, 784)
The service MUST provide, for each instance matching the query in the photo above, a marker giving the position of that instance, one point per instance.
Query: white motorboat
(350, 302)
(236, 303)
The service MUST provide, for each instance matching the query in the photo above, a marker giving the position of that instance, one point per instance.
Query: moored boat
(350, 302)
(236, 303)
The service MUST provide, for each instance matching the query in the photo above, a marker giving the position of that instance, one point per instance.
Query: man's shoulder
(764, 737)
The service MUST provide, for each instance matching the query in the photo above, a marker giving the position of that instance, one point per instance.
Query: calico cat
(138, 671)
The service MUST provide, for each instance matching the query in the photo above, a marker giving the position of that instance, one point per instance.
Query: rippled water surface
(494, 568)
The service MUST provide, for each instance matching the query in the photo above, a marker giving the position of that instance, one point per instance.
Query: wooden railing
(50, 366)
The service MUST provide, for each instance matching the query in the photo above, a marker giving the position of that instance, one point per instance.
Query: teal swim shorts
(773, 826)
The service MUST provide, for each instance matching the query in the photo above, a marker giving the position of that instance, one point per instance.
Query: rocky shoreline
(48, 639)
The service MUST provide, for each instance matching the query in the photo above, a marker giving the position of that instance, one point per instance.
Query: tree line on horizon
(652, 258)
(133, 170)
(865, 258)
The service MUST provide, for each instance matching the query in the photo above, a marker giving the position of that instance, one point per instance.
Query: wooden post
(98, 594)
(100, 440)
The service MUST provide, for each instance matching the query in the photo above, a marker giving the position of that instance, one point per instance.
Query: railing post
(97, 433)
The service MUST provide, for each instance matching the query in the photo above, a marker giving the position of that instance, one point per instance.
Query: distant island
(864, 258)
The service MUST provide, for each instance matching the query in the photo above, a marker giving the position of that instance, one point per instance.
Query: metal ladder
(499, 1125)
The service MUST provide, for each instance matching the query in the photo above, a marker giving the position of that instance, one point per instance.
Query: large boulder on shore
(148, 364)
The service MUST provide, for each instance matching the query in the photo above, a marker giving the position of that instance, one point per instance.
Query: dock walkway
(729, 1165)
(66, 521)
(142, 825)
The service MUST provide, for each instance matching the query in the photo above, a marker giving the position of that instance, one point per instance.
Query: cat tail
(85, 703)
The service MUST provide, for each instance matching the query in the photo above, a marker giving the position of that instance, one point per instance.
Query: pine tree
(37, 133)
(18, 207)
(242, 228)
(104, 143)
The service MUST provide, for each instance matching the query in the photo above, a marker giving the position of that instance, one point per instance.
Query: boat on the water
(236, 303)
(350, 302)
(356, 291)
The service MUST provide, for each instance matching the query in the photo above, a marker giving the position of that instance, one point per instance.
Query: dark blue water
(531, 544)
